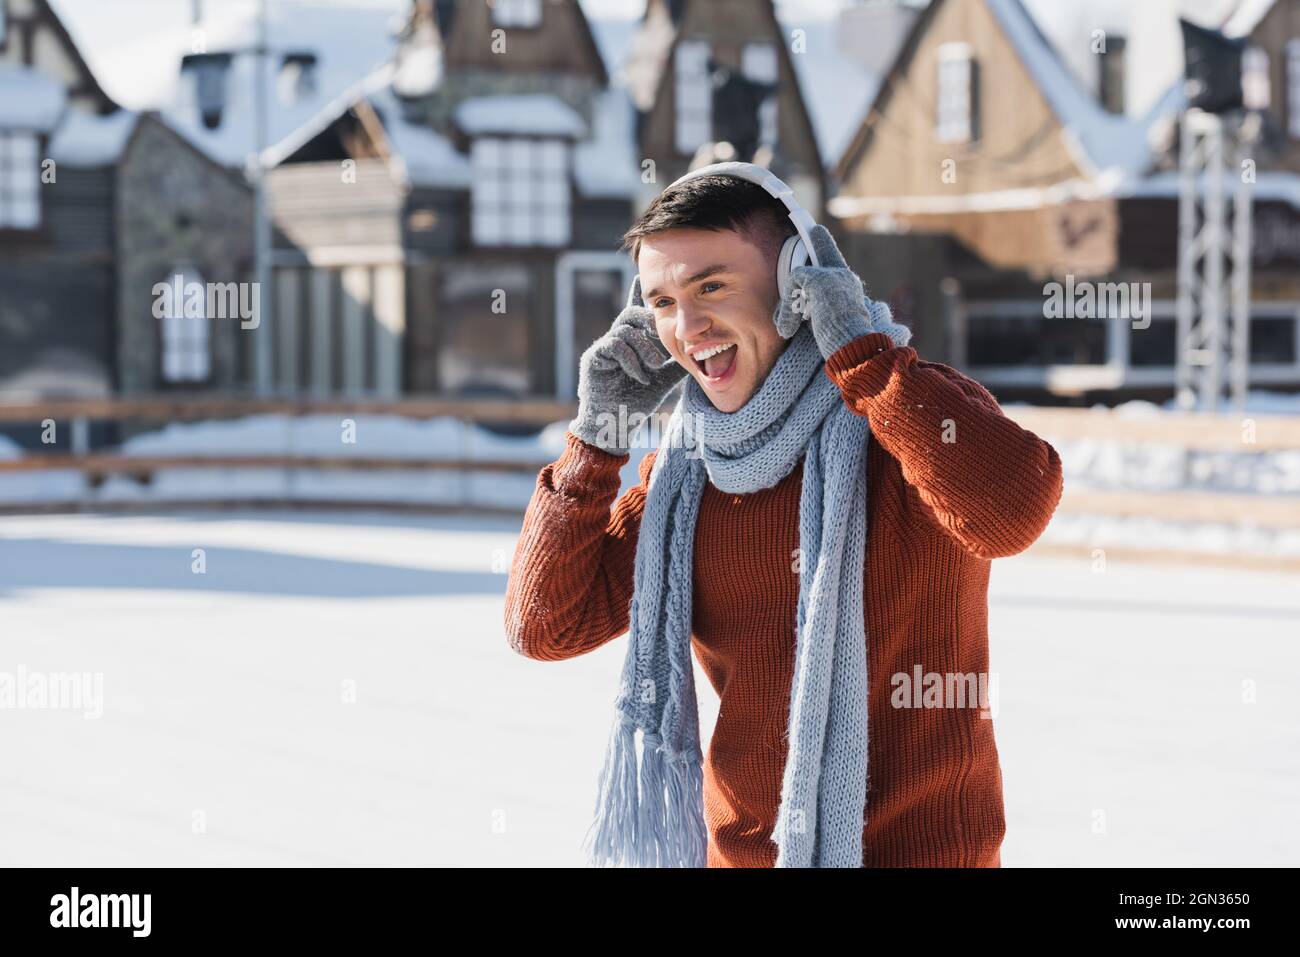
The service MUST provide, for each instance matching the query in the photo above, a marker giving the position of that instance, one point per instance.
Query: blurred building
(448, 184)
(493, 167)
(1012, 145)
(97, 204)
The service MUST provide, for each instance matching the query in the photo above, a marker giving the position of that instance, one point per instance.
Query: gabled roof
(139, 58)
(1103, 145)
(34, 100)
(55, 7)
(1113, 150)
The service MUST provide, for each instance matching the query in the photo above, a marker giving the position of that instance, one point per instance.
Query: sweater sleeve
(991, 484)
(570, 585)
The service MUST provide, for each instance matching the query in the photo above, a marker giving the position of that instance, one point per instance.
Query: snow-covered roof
(607, 165)
(427, 157)
(837, 88)
(1103, 143)
(537, 114)
(1246, 17)
(29, 100)
(89, 140)
(420, 155)
(137, 59)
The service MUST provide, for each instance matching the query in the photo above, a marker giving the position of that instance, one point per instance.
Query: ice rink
(338, 690)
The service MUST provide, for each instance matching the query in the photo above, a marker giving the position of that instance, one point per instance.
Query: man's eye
(662, 303)
(710, 286)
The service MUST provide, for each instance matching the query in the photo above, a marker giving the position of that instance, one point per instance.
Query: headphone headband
(802, 219)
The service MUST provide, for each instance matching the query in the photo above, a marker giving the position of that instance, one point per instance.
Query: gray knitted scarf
(653, 816)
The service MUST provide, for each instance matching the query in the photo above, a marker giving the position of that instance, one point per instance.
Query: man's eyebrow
(704, 273)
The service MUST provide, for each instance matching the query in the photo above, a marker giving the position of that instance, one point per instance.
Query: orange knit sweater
(953, 483)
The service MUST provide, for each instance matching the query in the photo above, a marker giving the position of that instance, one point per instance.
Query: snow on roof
(89, 140)
(607, 165)
(1247, 16)
(428, 157)
(137, 59)
(29, 100)
(539, 114)
(422, 155)
(299, 137)
(1104, 143)
(837, 88)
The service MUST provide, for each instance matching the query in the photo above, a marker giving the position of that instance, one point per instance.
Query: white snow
(607, 165)
(428, 158)
(29, 100)
(1106, 141)
(135, 47)
(338, 690)
(538, 114)
(89, 140)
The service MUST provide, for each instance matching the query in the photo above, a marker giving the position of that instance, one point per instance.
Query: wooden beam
(1266, 511)
(1196, 432)
(143, 465)
(532, 410)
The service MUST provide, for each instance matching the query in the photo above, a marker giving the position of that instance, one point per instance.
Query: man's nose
(691, 323)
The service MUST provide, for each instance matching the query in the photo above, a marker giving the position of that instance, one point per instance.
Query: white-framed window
(185, 354)
(20, 180)
(521, 191)
(1293, 87)
(954, 108)
(694, 95)
(758, 62)
(517, 13)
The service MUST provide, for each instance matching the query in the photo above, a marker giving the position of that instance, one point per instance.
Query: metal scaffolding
(1213, 316)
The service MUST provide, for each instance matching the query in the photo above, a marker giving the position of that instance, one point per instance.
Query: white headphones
(798, 249)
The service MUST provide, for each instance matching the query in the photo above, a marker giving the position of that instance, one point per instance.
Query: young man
(831, 543)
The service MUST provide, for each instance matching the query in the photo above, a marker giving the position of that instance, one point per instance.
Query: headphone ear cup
(793, 255)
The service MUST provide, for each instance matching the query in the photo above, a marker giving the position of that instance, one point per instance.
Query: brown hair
(716, 202)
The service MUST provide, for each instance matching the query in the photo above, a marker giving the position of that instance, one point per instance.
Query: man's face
(708, 289)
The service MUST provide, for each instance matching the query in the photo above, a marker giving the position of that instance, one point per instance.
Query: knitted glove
(831, 298)
(628, 370)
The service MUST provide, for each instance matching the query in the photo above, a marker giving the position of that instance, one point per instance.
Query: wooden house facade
(1017, 172)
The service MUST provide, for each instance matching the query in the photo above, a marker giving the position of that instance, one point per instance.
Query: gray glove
(831, 298)
(626, 370)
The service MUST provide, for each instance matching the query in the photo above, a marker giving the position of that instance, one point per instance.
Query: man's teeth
(705, 353)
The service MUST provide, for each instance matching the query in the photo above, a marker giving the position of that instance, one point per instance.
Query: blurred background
(292, 295)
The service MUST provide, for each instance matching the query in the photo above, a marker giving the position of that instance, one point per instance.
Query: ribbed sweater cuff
(584, 470)
(871, 377)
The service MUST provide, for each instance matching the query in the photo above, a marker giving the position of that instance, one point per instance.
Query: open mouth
(717, 362)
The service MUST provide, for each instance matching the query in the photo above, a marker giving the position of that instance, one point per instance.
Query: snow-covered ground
(338, 690)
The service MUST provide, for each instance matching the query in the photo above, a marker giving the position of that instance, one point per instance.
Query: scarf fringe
(661, 824)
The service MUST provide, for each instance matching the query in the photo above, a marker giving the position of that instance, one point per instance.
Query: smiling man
(831, 539)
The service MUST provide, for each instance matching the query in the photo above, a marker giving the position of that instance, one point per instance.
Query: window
(955, 113)
(1293, 87)
(20, 181)
(1029, 340)
(517, 13)
(694, 95)
(185, 353)
(758, 61)
(1110, 78)
(297, 79)
(521, 192)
